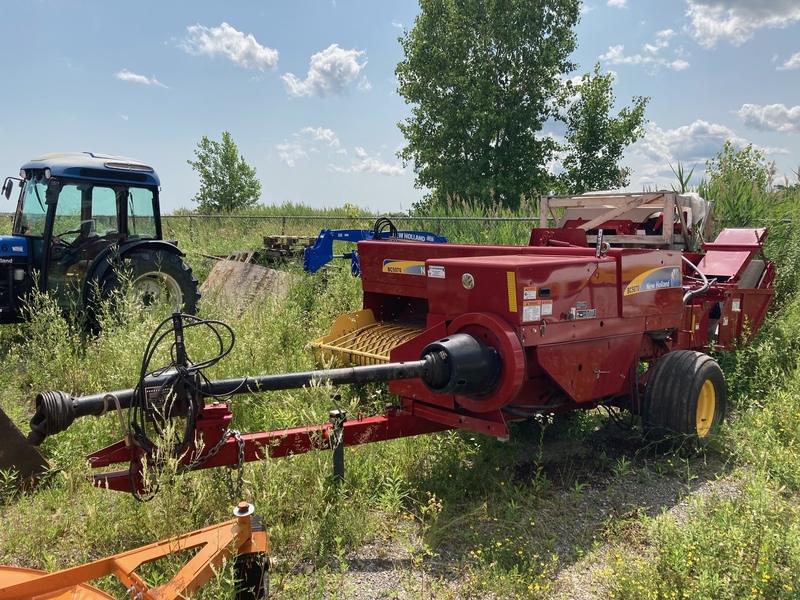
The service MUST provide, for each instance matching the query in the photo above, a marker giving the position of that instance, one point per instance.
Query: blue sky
(308, 92)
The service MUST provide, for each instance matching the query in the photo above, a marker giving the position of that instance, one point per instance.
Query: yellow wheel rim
(706, 406)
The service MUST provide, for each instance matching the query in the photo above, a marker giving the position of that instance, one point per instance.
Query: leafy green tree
(739, 182)
(747, 164)
(227, 183)
(481, 76)
(596, 139)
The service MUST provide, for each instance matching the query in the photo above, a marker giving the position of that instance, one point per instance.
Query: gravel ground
(387, 569)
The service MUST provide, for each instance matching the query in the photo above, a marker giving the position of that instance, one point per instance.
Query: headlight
(22, 174)
(47, 173)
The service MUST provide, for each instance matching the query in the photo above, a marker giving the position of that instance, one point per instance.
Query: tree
(227, 183)
(740, 185)
(481, 75)
(596, 140)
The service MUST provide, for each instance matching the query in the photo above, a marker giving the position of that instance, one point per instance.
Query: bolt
(242, 507)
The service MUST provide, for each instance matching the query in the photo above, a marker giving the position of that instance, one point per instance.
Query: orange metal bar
(217, 543)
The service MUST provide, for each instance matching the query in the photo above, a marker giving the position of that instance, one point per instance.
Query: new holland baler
(619, 305)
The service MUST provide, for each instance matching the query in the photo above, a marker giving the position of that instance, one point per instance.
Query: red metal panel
(729, 254)
(693, 334)
(522, 288)
(492, 423)
(591, 369)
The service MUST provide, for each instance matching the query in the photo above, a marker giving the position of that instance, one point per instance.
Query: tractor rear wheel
(159, 277)
(685, 398)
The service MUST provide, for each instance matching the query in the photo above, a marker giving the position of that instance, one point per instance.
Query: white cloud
(773, 151)
(306, 142)
(331, 71)
(370, 164)
(694, 143)
(773, 117)
(737, 20)
(791, 64)
(323, 141)
(290, 152)
(691, 145)
(616, 56)
(364, 84)
(126, 75)
(677, 65)
(226, 41)
(321, 134)
(662, 41)
(618, 3)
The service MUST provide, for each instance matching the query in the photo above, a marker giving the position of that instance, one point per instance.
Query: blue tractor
(83, 223)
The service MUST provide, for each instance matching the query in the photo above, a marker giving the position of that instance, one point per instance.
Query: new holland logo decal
(404, 267)
(655, 279)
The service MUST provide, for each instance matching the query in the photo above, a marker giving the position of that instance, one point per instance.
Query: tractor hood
(13, 246)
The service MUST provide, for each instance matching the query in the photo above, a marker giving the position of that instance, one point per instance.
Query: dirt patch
(600, 485)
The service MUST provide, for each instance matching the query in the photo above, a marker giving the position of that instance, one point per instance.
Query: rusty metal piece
(17, 454)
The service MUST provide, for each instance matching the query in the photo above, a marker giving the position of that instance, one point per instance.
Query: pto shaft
(460, 364)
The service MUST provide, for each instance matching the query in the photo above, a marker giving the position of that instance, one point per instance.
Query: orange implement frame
(215, 544)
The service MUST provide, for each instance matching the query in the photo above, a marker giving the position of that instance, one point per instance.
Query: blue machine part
(321, 253)
(94, 166)
(13, 247)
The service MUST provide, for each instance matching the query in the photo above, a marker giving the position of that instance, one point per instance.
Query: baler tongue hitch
(459, 364)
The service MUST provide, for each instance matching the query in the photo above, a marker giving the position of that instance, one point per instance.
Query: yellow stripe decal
(512, 291)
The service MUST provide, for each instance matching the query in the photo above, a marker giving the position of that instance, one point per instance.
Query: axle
(460, 364)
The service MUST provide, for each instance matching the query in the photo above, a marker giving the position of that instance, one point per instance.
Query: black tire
(685, 399)
(158, 276)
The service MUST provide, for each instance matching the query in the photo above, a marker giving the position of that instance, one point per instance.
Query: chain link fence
(220, 234)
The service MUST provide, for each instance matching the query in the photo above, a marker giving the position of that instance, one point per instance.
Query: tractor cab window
(30, 216)
(141, 215)
(85, 212)
(68, 223)
(104, 211)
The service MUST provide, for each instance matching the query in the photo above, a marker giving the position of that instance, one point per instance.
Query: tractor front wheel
(685, 398)
(159, 278)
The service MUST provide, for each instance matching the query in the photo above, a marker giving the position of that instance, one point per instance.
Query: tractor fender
(104, 261)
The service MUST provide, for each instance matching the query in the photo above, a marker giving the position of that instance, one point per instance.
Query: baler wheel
(685, 398)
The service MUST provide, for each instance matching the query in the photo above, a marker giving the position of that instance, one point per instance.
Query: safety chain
(235, 483)
(215, 450)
